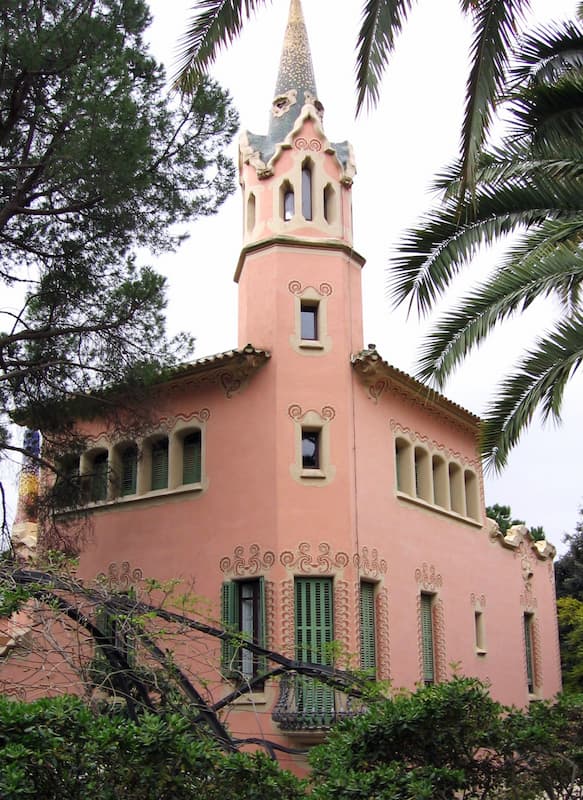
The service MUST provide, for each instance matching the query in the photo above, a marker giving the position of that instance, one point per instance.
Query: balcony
(305, 705)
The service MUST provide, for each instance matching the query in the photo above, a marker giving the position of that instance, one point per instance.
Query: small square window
(309, 321)
(310, 449)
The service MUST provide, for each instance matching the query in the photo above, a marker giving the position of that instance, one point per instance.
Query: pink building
(312, 492)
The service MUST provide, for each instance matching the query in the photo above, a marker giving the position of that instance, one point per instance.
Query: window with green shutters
(191, 458)
(243, 613)
(129, 470)
(314, 632)
(159, 478)
(98, 478)
(427, 637)
(529, 648)
(367, 628)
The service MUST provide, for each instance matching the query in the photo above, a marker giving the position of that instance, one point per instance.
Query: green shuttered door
(367, 628)
(314, 631)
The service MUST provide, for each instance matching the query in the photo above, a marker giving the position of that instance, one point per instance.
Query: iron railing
(305, 704)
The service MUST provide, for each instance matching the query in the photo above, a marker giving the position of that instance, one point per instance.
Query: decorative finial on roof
(295, 85)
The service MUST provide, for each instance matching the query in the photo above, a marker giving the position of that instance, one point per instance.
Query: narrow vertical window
(367, 629)
(311, 448)
(243, 612)
(440, 483)
(288, 201)
(314, 633)
(159, 477)
(129, 470)
(529, 650)
(309, 320)
(480, 632)
(404, 466)
(191, 458)
(307, 190)
(471, 494)
(328, 203)
(98, 478)
(423, 487)
(456, 489)
(250, 212)
(427, 645)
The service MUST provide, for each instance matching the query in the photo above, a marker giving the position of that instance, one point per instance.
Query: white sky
(399, 146)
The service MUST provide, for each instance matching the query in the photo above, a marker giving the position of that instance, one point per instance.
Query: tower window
(310, 449)
(367, 628)
(529, 650)
(329, 203)
(251, 212)
(287, 201)
(307, 190)
(480, 633)
(309, 320)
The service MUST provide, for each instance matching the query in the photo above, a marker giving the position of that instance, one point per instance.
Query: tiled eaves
(229, 368)
(378, 374)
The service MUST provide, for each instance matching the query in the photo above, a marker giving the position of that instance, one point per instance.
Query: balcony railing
(306, 704)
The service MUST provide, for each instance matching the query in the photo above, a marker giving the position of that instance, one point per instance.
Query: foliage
(59, 748)
(570, 612)
(453, 741)
(96, 162)
(530, 184)
(502, 515)
(569, 567)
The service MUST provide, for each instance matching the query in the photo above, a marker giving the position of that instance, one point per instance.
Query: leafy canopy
(97, 164)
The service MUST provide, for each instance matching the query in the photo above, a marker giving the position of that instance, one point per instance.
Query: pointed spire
(295, 67)
(296, 84)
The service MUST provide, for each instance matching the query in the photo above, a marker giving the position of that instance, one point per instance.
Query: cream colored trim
(311, 347)
(435, 479)
(312, 420)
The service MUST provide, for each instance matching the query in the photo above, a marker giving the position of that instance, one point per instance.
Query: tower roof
(295, 88)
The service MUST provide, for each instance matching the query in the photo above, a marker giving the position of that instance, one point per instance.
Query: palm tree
(216, 23)
(532, 183)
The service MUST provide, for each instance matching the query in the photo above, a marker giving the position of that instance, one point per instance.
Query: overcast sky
(399, 147)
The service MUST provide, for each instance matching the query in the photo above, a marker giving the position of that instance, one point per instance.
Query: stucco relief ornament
(324, 290)
(478, 600)
(239, 564)
(283, 102)
(296, 412)
(370, 565)
(428, 578)
(121, 577)
(302, 143)
(303, 560)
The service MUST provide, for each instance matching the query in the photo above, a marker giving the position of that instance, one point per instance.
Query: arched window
(287, 201)
(250, 212)
(456, 489)
(98, 477)
(129, 470)
(423, 475)
(159, 476)
(191, 458)
(307, 189)
(404, 466)
(472, 495)
(329, 203)
(440, 483)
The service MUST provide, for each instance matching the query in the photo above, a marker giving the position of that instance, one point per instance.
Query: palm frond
(538, 381)
(550, 117)
(512, 289)
(215, 23)
(543, 55)
(431, 255)
(381, 21)
(495, 28)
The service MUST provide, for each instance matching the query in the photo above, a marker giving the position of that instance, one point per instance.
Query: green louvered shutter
(230, 621)
(191, 458)
(160, 464)
(99, 478)
(314, 631)
(367, 628)
(129, 470)
(529, 652)
(262, 632)
(427, 638)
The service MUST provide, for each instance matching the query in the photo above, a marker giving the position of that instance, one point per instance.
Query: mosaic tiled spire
(296, 84)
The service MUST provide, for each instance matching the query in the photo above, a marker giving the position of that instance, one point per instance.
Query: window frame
(233, 653)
